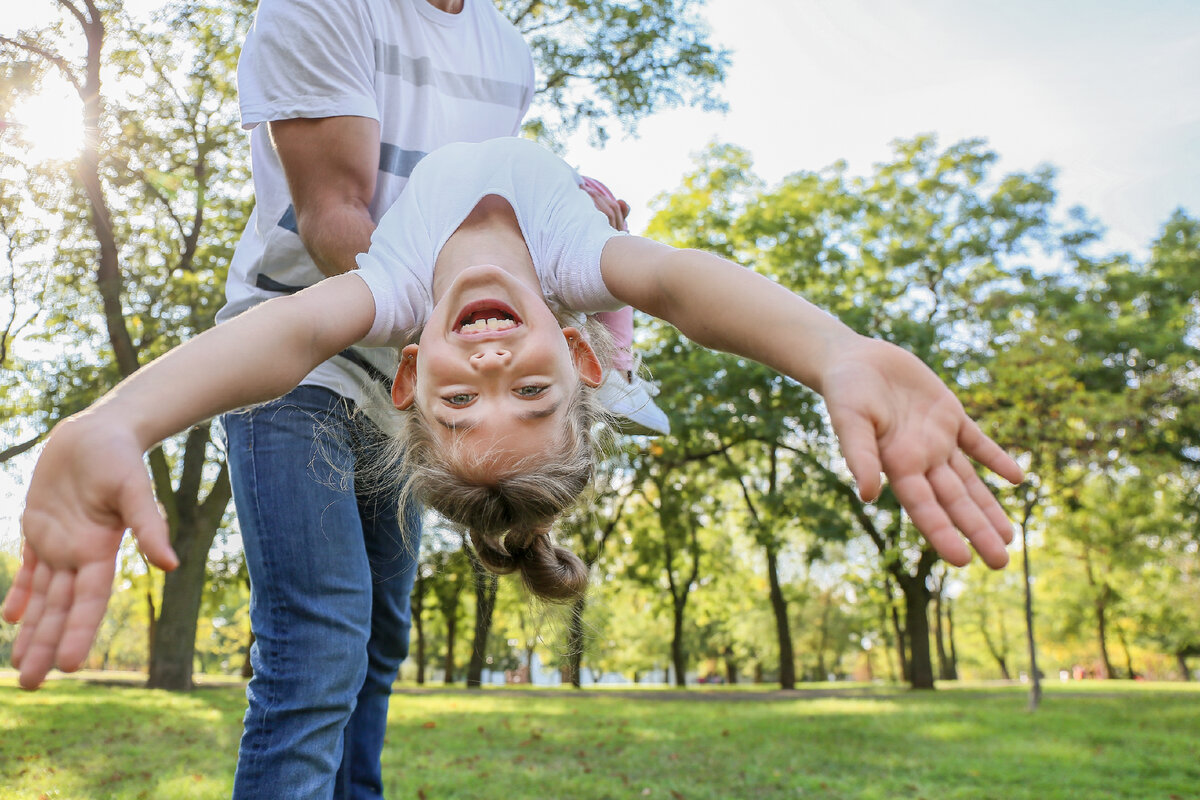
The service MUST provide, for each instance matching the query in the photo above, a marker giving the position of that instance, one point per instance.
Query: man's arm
(888, 409)
(331, 165)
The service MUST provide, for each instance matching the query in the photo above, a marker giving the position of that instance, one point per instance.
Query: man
(342, 99)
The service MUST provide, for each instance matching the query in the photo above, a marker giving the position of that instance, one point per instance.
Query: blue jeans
(331, 562)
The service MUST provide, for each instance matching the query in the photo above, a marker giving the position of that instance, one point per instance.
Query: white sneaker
(628, 397)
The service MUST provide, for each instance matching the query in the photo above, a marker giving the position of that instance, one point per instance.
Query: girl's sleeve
(576, 234)
(392, 269)
(307, 59)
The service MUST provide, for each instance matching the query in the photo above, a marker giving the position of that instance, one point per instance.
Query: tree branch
(10, 453)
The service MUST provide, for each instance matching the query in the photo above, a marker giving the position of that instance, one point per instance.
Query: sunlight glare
(51, 123)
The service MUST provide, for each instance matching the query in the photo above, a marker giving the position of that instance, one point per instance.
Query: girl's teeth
(489, 324)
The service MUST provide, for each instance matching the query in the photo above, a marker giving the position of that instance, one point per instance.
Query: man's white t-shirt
(427, 76)
(563, 229)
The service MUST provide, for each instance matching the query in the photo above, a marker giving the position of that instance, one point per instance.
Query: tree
(158, 204)
(485, 584)
(587, 531)
(904, 254)
(450, 571)
(668, 541)
(159, 195)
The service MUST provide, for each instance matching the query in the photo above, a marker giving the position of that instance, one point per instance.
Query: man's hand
(89, 486)
(608, 204)
(892, 414)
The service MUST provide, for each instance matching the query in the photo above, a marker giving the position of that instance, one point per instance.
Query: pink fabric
(620, 322)
(620, 327)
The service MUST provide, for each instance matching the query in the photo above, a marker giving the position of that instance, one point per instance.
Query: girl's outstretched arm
(890, 412)
(90, 484)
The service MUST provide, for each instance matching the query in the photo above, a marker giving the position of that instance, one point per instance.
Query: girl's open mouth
(486, 316)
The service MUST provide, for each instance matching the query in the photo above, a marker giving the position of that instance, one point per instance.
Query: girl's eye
(530, 391)
(461, 399)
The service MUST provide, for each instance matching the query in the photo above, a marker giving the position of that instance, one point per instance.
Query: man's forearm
(331, 166)
(334, 234)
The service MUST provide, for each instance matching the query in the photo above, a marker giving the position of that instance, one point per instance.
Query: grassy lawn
(78, 739)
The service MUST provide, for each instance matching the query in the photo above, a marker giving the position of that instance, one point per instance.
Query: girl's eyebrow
(540, 413)
(462, 426)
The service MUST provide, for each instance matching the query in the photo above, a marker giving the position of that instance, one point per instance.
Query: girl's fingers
(966, 514)
(144, 517)
(91, 589)
(17, 599)
(979, 446)
(925, 509)
(37, 641)
(983, 498)
(856, 436)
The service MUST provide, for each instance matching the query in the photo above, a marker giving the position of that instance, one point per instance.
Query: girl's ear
(404, 388)
(586, 362)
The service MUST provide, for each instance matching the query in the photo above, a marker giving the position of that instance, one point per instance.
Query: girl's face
(494, 373)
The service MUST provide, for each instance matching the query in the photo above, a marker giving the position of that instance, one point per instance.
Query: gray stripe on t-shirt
(398, 161)
(392, 159)
(421, 72)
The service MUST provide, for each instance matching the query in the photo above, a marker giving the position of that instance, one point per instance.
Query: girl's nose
(490, 358)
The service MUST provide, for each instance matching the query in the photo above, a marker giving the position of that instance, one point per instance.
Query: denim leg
(393, 538)
(292, 466)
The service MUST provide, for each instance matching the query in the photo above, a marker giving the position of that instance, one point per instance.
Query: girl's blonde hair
(509, 519)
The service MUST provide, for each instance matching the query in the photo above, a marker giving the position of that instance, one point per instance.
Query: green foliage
(606, 61)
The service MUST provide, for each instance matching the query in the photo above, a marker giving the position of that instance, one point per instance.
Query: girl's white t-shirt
(563, 229)
(428, 77)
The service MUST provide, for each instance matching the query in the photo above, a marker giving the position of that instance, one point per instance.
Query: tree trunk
(939, 637)
(1035, 685)
(194, 524)
(731, 670)
(247, 664)
(573, 670)
(998, 652)
(1102, 637)
(783, 631)
(823, 640)
(1130, 672)
(151, 611)
(175, 634)
(418, 619)
(678, 656)
(901, 644)
(1181, 661)
(950, 635)
(888, 644)
(451, 630)
(916, 622)
(485, 603)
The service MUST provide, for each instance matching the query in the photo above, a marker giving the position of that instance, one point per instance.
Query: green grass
(76, 739)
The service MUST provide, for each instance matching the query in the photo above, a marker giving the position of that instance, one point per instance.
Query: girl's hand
(89, 485)
(892, 414)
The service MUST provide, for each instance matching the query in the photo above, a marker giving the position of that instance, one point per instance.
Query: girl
(487, 242)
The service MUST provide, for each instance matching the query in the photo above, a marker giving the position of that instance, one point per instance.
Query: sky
(1108, 92)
